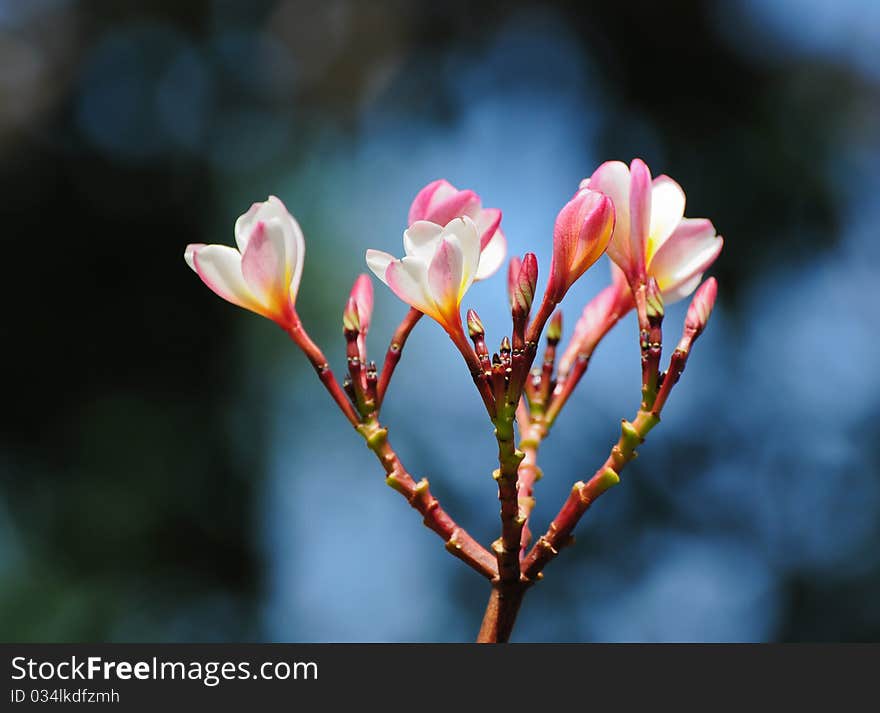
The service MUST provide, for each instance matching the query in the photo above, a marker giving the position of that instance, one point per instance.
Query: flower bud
(701, 306)
(513, 268)
(351, 323)
(523, 293)
(475, 326)
(362, 294)
(583, 229)
(653, 302)
(554, 329)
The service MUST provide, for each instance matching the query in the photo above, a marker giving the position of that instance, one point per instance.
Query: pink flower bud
(701, 306)
(513, 268)
(475, 325)
(362, 294)
(583, 229)
(526, 282)
(351, 323)
(554, 329)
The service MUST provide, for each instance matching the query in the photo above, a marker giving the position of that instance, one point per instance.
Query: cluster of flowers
(453, 241)
(658, 256)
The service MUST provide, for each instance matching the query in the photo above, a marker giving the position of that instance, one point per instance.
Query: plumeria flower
(263, 273)
(440, 265)
(439, 202)
(652, 238)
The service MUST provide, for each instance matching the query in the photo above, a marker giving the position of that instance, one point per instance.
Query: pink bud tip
(701, 306)
(523, 290)
(362, 294)
(513, 268)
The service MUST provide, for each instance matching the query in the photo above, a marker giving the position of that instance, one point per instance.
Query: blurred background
(171, 470)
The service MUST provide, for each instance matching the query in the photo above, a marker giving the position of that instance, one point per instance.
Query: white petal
(690, 250)
(492, 256)
(378, 262)
(683, 290)
(219, 266)
(408, 279)
(190, 252)
(464, 230)
(667, 210)
(446, 274)
(422, 239)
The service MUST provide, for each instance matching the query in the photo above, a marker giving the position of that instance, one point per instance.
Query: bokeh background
(170, 470)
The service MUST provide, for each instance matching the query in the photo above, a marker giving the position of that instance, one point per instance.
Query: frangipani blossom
(439, 202)
(652, 238)
(440, 265)
(263, 274)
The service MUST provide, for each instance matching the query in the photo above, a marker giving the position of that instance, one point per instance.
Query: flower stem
(583, 494)
(418, 495)
(392, 356)
(314, 354)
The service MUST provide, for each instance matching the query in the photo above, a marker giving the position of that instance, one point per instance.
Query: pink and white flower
(440, 265)
(439, 202)
(263, 273)
(652, 238)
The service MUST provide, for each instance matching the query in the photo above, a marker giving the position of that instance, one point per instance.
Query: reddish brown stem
(418, 495)
(325, 374)
(392, 356)
(473, 363)
(584, 494)
(500, 616)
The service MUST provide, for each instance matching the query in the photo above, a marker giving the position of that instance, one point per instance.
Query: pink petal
(459, 204)
(362, 294)
(421, 203)
(264, 264)
(445, 276)
(487, 222)
(639, 212)
(612, 178)
(273, 211)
